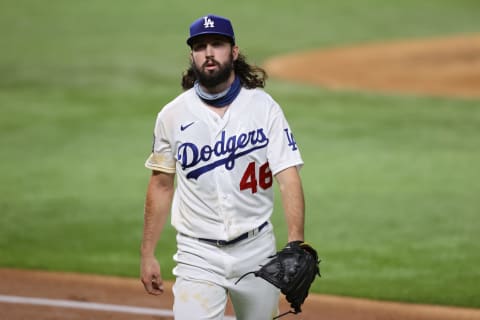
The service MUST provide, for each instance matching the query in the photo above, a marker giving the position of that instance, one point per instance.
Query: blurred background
(391, 181)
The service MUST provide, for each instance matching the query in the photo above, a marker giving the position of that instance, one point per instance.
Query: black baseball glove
(292, 270)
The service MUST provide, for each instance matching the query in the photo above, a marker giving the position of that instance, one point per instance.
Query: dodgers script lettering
(223, 152)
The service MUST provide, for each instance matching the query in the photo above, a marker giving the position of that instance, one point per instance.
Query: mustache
(211, 61)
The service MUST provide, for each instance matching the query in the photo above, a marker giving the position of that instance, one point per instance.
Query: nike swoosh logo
(184, 127)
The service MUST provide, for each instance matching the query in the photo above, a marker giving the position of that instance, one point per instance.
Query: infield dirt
(444, 67)
(130, 292)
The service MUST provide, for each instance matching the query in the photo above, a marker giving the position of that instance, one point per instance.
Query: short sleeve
(283, 151)
(161, 158)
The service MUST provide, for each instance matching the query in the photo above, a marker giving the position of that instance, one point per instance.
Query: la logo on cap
(211, 24)
(208, 23)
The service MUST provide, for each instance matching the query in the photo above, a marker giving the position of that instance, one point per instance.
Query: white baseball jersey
(224, 165)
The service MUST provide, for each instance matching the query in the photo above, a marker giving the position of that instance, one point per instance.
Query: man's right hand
(151, 276)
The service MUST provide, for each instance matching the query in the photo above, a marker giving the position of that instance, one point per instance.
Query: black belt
(222, 243)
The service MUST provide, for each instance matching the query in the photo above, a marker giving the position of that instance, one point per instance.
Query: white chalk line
(89, 306)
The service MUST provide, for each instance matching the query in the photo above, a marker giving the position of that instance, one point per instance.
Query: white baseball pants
(206, 276)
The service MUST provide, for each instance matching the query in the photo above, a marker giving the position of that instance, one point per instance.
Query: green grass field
(391, 182)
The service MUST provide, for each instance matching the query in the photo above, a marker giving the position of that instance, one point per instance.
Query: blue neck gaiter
(221, 99)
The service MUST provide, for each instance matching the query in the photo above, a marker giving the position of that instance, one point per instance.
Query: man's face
(212, 59)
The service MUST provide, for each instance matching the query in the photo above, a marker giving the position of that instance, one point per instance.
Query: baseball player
(224, 141)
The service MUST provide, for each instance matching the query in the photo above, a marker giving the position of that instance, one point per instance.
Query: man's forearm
(293, 202)
(157, 207)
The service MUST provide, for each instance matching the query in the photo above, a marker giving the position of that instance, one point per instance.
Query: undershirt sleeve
(161, 158)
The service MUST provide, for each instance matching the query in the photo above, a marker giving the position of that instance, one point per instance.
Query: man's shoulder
(182, 99)
(178, 102)
(259, 97)
(259, 94)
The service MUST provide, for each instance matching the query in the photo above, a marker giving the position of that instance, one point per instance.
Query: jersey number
(249, 179)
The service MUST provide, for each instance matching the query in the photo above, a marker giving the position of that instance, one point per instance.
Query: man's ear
(235, 52)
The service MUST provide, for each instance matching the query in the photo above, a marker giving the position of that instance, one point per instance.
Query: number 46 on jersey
(252, 179)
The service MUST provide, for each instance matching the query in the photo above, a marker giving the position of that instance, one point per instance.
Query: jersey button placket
(220, 198)
(224, 205)
(223, 180)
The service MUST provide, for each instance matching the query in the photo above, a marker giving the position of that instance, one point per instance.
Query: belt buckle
(221, 243)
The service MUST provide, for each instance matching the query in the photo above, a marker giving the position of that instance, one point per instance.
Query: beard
(213, 79)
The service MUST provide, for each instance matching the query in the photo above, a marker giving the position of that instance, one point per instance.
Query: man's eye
(199, 47)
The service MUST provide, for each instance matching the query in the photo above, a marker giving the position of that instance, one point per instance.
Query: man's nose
(209, 50)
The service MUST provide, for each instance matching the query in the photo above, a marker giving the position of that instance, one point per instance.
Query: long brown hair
(251, 76)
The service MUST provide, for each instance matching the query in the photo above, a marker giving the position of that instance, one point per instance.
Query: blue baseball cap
(211, 24)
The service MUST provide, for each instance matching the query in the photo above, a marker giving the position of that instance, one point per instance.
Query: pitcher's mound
(435, 67)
